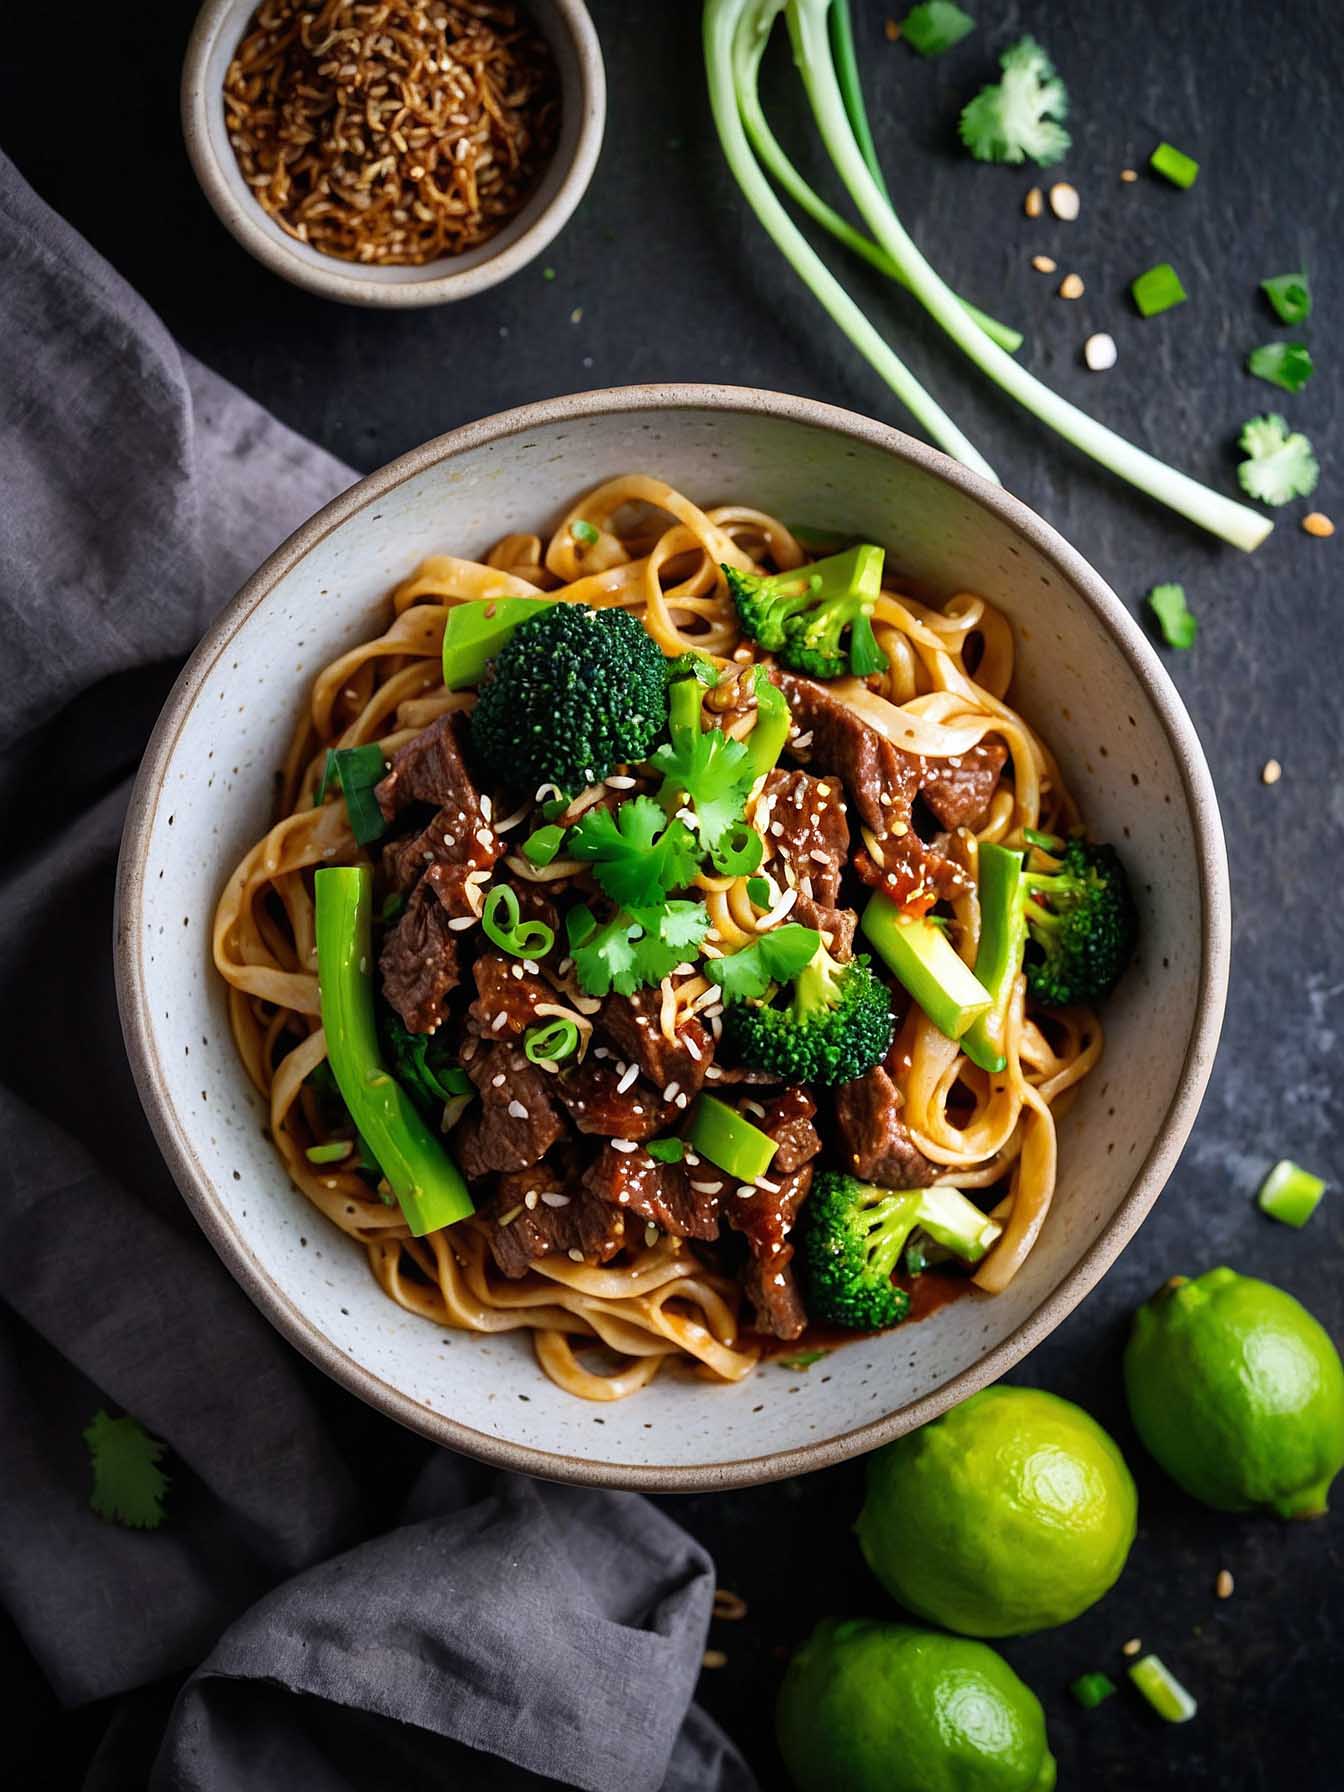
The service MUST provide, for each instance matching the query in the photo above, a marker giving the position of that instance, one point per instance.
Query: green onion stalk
(807, 21)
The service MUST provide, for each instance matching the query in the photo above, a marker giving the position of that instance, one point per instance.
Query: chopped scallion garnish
(935, 26)
(1180, 169)
(1286, 364)
(1290, 1194)
(335, 1151)
(1176, 620)
(1162, 1690)
(585, 533)
(666, 1151)
(1158, 290)
(541, 847)
(1290, 296)
(553, 1043)
(357, 770)
(1091, 1689)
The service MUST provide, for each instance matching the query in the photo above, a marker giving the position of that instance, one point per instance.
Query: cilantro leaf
(935, 26)
(637, 855)
(128, 1485)
(666, 1151)
(638, 947)
(1178, 624)
(1286, 364)
(712, 772)
(1017, 118)
(1280, 465)
(776, 957)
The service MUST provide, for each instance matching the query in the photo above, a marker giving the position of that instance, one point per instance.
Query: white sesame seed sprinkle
(460, 923)
(628, 1079)
(517, 1110)
(623, 1145)
(553, 1198)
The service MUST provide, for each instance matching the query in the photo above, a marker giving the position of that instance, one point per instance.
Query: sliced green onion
(1181, 170)
(666, 1151)
(935, 26)
(541, 846)
(1178, 623)
(553, 1043)
(1158, 290)
(759, 893)
(357, 770)
(1091, 1689)
(335, 1151)
(519, 938)
(738, 851)
(720, 1134)
(1162, 1690)
(1286, 364)
(1290, 1193)
(585, 533)
(1290, 296)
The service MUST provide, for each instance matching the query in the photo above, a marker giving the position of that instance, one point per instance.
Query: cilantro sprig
(128, 1484)
(776, 957)
(711, 772)
(636, 948)
(638, 856)
(1280, 464)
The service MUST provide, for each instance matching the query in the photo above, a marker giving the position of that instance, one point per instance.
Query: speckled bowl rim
(223, 1230)
(338, 280)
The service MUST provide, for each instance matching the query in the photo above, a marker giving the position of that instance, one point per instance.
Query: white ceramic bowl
(1087, 679)
(568, 29)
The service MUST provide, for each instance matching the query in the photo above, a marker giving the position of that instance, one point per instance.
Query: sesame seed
(714, 1658)
(623, 1145)
(497, 1082)
(487, 807)
(1099, 352)
(518, 1111)
(650, 1234)
(1224, 1584)
(576, 1255)
(500, 1019)
(1316, 523)
(692, 1049)
(670, 1093)
(1071, 287)
(530, 1199)
(553, 1198)
(706, 1188)
(1132, 1647)
(460, 922)
(631, 1073)
(1033, 205)
(1044, 264)
(1129, 175)
(746, 1191)
(1272, 772)
(754, 1107)
(1064, 201)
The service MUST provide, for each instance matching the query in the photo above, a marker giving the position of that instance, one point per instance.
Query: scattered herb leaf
(637, 854)
(638, 947)
(1018, 117)
(1279, 464)
(776, 957)
(1177, 622)
(356, 770)
(666, 1151)
(128, 1484)
(935, 26)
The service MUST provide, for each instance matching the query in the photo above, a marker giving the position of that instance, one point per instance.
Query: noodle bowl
(604, 1330)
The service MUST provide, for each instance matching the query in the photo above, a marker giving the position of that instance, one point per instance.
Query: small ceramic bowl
(565, 24)
(1086, 677)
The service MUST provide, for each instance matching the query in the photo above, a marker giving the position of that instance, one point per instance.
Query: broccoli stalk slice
(802, 615)
(998, 959)
(919, 954)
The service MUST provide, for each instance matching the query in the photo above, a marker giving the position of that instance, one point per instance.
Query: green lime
(1238, 1393)
(873, 1707)
(1010, 1513)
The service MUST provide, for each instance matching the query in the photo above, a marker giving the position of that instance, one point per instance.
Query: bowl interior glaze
(1086, 679)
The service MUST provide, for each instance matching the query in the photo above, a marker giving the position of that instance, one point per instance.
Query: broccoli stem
(767, 739)
(944, 1213)
(1003, 940)
(921, 957)
(425, 1180)
(685, 699)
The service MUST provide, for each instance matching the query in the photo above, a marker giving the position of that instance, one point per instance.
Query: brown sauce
(929, 1293)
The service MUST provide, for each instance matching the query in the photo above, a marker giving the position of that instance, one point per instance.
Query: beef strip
(673, 1197)
(505, 988)
(459, 840)
(574, 1219)
(838, 925)
(787, 1119)
(418, 962)
(515, 1123)
(960, 790)
(809, 829)
(883, 782)
(875, 1142)
(765, 1218)
(596, 1104)
(632, 1025)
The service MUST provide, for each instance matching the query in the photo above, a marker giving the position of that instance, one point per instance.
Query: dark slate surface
(675, 282)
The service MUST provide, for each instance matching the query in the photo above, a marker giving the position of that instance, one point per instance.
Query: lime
(875, 1707)
(1010, 1513)
(1238, 1393)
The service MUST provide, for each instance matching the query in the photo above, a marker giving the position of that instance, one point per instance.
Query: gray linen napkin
(342, 1633)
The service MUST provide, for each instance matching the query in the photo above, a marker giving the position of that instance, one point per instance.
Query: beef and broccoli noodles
(671, 937)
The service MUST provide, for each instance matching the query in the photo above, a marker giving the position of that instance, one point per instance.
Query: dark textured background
(675, 281)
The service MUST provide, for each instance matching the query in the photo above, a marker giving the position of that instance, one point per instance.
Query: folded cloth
(335, 1630)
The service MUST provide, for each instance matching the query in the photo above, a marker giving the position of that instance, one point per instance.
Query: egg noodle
(659, 556)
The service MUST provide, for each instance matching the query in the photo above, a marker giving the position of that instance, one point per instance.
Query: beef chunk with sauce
(458, 841)
(537, 1213)
(875, 1142)
(504, 988)
(809, 832)
(632, 1023)
(883, 782)
(514, 1124)
(766, 1218)
(960, 790)
(787, 1119)
(592, 1094)
(677, 1198)
(418, 962)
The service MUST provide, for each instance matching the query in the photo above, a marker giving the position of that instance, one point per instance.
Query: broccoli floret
(853, 1234)
(1008, 122)
(803, 615)
(838, 1024)
(1083, 921)
(572, 694)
